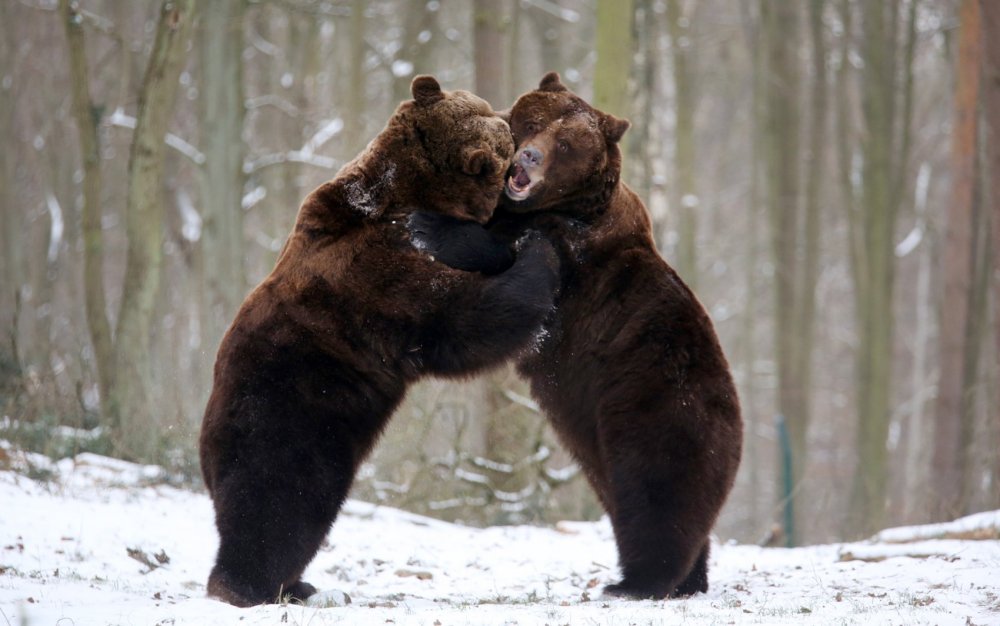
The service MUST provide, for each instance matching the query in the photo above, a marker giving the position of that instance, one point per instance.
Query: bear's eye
(563, 146)
(531, 128)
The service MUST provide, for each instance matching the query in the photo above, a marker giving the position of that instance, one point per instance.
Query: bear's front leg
(487, 320)
(459, 244)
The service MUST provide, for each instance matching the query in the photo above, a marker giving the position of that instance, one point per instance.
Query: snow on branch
(121, 120)
(496, 466)
(979, 526)
(562, 475)
(454, 503)
(273, 100)
(326, 132)
(471, 477)
(553, 9)
(516, 496)
(56, 228)
(306, 154)
(524, 401)
(292, 156)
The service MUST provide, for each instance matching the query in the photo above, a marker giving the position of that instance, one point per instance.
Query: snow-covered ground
(65, 545)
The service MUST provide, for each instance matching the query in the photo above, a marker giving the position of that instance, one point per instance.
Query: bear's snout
(530, 157)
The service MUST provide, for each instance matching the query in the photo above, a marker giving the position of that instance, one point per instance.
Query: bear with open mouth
(630, 372)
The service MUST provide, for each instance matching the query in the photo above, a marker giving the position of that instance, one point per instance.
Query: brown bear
(322, 351)
(630, 372)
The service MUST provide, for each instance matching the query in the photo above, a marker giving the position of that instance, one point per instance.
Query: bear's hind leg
(660, 529)
(271, 524)
(697, 578)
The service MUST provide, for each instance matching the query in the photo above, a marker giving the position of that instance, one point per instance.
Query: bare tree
(419, 23)
(354, 129)
(223, 283)
(953, 427)
(990, 93)
(684, 195)
(614, 56)
(11, 255)
(886, 77)
(809, 236)
(133, 415)
(489, 47)
(780, 28)
(87, 116)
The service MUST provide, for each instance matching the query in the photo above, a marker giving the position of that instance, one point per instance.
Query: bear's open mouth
(518, 183)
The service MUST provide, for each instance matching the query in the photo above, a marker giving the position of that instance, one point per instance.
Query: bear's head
(567, 154)
(463, 150)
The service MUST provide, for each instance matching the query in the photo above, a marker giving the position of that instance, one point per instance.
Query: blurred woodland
(820, 171)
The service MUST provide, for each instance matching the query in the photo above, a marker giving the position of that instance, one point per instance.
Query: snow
(327, 130)
(57, 227)
(190, 218)
(252, 197)
(362, 195)
(401, 68)
(910, 242)
(66, 536)
(120, 119)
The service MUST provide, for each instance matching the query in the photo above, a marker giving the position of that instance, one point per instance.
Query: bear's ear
(614, 127)
(426, 90)
(551, 82)
(476, 161)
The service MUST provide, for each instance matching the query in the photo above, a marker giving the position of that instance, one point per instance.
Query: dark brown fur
(321, 352)
(631, 374)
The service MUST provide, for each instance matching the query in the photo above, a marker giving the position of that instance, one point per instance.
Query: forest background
(820, 171)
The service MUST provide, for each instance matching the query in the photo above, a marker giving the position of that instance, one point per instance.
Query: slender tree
(489, 23)
(749, 391)
(780, 28)
(614, 56)
(87, 117)
(810, 246)
(354, 128)
(132, 409)
(222, 249)
(684, 195)
(11, 256)
(990, 94)
(640, 152)
(507, 438)
(415, 47)
(953, 410)
(885, 79)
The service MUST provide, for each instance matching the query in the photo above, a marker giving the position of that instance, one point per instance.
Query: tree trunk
(133, 414)
(990, 11)
(780, 26)
(551, 34)
(953, 401)
(354, 118)
(637, 148)
(506, 437)
(489, 51)
(614, 56)
(811, 245)
(748, 394)
(87, 117)
(221, 243)
(685, 196)
(12, 215)
(873, 226)
(415, 47)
